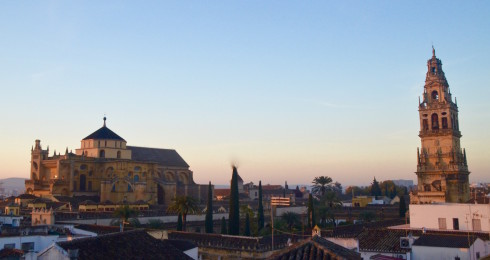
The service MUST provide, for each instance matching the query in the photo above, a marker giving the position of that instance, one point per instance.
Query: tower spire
(433, 51)
(105, 118)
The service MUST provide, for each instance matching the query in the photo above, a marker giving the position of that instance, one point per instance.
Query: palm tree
(123, 214)
(291, 219)
(321, 184)
(183, 205)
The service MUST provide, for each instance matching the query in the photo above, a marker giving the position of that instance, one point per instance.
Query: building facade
(105, 166)
(442, 169)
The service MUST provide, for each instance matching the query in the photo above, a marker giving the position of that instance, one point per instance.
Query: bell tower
(442, 169)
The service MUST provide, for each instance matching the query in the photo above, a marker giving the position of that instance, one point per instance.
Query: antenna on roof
(104, 119)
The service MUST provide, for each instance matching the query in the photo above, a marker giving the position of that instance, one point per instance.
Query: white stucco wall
(443, 253)
(427, 215)
(40, 242)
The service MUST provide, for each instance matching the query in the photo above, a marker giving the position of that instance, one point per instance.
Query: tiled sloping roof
(382, 240)
(451, 241)
(316, 248)
(135, 244)
(182, 245)
(241, 243)
(76, 200)
(104, 133)
(26, 196)
(221, 192)
(100, 230)
(356, 229)
(164, 157)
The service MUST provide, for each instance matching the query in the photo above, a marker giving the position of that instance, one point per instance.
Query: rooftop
(135, 244)
(450, 241)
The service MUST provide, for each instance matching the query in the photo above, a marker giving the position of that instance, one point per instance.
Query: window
(113, 188)
(455, 224)
(476, 224)
(118, 154)
(129, 188)
(444, 123)
(105, 143)
(74, 185)
(83, 181)
(433, 70)
(435, 95)
(9, 246)
(89, 185)
(136, 178)
(435, 121)
(442, 223)
(425, 124)
(29, 246)
(102, 154)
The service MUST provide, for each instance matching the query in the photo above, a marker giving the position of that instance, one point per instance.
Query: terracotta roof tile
(135, 244)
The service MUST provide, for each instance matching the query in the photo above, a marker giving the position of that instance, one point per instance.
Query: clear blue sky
(287, 90)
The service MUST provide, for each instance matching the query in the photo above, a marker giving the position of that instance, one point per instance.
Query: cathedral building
(105, 166)
(442, 169)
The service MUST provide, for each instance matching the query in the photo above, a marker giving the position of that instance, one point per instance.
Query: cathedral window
(113, 188)
(136, 178)
(118, 154)
(444, 123)
(129, 188)
(435, 95)
(83, 181)
(433, 70)
(425, 124)
(102, 154)
(435, 121)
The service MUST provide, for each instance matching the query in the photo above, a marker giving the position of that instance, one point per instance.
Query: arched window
(136, 178)
(425, 124)
(102, 154)
(118, 154)
(444, 123)
(435, 121)
(435, 95)
(129, 188)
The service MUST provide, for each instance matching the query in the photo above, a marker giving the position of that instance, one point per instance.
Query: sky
(286, 90)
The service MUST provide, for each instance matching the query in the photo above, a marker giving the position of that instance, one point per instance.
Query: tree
(223, 226)
(179, 222)
(209, 211)
(387, 192)
(331, 200)
(291, 219)
(321, 184)
(234, 213)
(375, 189)
(183, 205)
(311, 212)
(260, 213)
(247, 225)
(394, 193)
(123, 214)
(402, 207)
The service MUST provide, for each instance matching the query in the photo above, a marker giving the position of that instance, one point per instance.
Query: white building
(437, 247)
(451, 216)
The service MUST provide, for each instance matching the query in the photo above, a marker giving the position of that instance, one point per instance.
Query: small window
(444, 123)
(83, 167)
(136, 178)
(455, 224)
(129, 188)
(433, 70)
(105, 143)
(29, 246)
(113, 188)
(118, 154)
(9, 246)
(442, 223)
(102, 154)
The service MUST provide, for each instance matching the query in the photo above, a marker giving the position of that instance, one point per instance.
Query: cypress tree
(260, 217)
(209, 211)
(247, 226)
(375, 189)
(223, 226)
(179, 222)
(387, 192)
(234, 214)
(394, 192)
(402, 207)
(311, 212)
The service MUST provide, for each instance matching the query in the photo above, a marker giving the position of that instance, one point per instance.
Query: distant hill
(13, 184)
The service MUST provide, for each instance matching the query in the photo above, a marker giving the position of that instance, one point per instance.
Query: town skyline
(333, 91)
